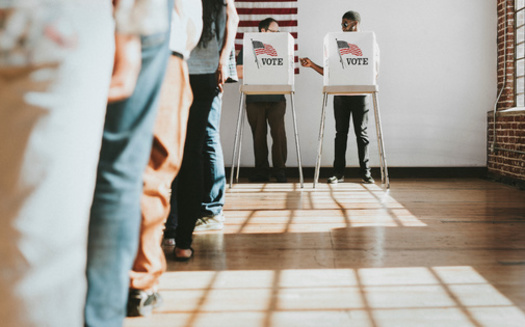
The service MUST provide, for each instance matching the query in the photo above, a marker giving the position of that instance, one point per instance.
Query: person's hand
(126, 68)
(222, 75)
(306, 62)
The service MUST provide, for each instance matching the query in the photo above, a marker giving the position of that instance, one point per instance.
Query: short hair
(265, 23)
(352, 15)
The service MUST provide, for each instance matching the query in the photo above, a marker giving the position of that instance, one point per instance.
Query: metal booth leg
(243, 112)
(320, 140)
(297, 147)
(236, 141)
(380, 143)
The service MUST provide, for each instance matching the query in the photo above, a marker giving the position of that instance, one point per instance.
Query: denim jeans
(190, 181)
(213, 165)
(356, 107)
(213, 174)
(115, 214)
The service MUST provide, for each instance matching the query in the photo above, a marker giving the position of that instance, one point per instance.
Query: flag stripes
(263, 48)
(348, 48)
(251, 12)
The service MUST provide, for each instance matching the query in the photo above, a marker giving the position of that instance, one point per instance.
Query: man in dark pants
(344, 106)
(264, 110)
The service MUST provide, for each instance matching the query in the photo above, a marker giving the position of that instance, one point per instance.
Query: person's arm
(232, 20)
(306, 62)
(239, 71)
(126, 67)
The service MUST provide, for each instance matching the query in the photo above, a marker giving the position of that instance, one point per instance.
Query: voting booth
(350, 63)
(349, 58)
(268, 68)
(268, 59)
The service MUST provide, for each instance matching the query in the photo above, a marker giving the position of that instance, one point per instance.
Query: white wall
(437, 81)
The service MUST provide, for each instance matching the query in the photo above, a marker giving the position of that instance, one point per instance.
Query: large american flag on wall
(251, 12)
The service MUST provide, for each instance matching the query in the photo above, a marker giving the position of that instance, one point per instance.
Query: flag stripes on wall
(251, 12)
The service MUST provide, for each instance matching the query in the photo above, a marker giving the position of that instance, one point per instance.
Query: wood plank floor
(428, 252)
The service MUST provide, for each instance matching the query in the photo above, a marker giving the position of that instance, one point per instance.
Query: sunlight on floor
(358, 205)
(422, 296)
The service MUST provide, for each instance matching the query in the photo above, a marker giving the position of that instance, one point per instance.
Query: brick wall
(510, 137)
(504, 160)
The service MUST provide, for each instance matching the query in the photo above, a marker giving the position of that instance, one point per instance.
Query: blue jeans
(115, 213)
(189, 185)
(213, 174)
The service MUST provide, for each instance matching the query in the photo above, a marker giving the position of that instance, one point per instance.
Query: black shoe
(259, 177)
(281, 178)
(335, 179)
(368, 180)
(183, 259)
(142, 303)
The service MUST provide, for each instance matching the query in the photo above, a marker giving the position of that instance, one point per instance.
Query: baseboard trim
(393, 172)
(507, 180)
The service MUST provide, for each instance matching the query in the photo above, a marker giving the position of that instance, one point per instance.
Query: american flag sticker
(346, 48)
(262, 48)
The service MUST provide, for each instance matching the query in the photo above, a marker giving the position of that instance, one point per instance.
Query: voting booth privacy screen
(268, 59)
(349, 58)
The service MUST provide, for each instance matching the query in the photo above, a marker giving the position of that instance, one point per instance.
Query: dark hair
(352, 15)
(266, 23)
(210, 9)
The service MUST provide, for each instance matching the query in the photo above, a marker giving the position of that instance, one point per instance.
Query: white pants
(51, 122)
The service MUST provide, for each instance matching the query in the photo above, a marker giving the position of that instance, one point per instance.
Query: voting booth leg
(380, 143)
(237, 140)
(243, 121)
(297, 147)
(320, 140)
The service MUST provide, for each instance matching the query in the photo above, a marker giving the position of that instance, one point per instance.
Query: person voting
(353, 61)
(261, 62)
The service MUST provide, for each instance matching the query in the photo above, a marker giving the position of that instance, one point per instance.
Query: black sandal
(183, 259)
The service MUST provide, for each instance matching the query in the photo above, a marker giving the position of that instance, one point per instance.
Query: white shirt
(186, 26)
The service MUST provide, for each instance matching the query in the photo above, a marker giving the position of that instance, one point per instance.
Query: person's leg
(189, 180)
(115, 213)
(164, 164)
(342, 125)
(213, 163)
(275, 116)
(171, 222)
(256, 113)
(51, 119)
(359, 110)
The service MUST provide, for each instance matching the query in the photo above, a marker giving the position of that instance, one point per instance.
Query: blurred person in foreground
(57, 59)
(126, 146)
(165, 159)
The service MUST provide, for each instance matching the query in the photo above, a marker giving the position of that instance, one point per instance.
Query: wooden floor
(434, 252)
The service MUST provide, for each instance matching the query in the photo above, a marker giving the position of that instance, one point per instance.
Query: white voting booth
(268, 68)
(350, 68)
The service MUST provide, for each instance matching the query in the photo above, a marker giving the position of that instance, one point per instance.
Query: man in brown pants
(264, 111)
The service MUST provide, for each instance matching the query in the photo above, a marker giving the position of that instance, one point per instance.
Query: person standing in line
(344, 108)
(208, 67)
(214, 176)
(165, 159)
(126, 145)
(264, 111)
(56, 60)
